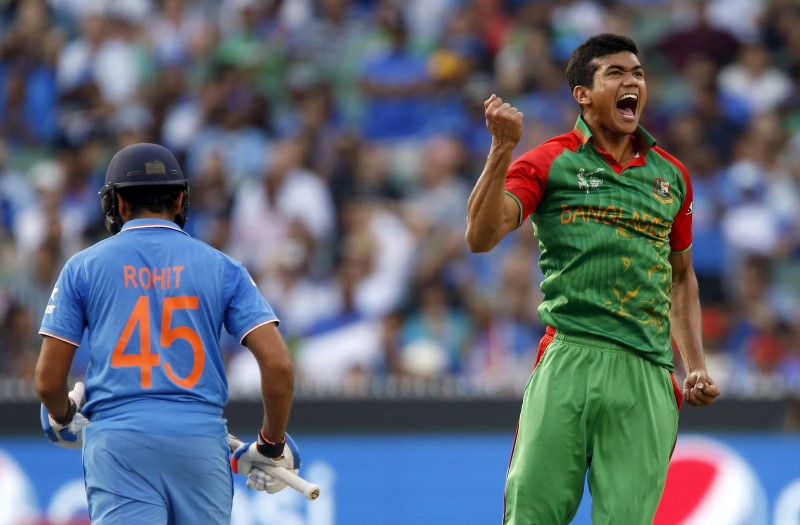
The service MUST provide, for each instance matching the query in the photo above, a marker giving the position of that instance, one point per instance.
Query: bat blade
(310, 490)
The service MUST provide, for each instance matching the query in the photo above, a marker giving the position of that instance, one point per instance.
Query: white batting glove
(67, 434)
(259, 480)
(249, 457)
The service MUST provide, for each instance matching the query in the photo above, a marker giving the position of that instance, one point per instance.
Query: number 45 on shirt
(145, 359)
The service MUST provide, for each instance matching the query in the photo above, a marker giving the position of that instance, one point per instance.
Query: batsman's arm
(277, 378)
(52, 372)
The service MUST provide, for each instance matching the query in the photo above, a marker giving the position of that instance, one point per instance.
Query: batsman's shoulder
(85, 256)
(229, 265)
(203, 249)
(95, 256)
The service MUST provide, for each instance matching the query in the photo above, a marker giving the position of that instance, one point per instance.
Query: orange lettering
(639, 223)
(144, 278)
(141, 356)
(566, 214)
(595, 213)
(178, 270)
(610, 210)
(169, 334)
(144, 360)
(666, 226)
(159, 278)
(129, 274)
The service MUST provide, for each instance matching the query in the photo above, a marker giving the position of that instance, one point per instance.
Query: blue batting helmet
(141, 165)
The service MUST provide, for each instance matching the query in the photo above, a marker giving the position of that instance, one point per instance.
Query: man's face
(619, 93)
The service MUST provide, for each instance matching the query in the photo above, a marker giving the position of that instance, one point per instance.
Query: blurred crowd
(332, 145)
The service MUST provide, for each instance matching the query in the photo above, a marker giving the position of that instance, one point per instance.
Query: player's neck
(621, 147)
(144, 214)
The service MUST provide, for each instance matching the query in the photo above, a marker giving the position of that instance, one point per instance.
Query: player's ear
(182, 207)
(122, 205)
(581, 95)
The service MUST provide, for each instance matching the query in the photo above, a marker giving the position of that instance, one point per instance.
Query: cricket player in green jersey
(612, 212)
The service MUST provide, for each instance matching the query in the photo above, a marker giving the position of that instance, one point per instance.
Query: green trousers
(591, 406)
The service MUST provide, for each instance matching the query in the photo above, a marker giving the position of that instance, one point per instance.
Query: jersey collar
(644, 140)
(138, 224)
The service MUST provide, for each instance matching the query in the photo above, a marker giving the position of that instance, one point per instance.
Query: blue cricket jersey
(153, 301)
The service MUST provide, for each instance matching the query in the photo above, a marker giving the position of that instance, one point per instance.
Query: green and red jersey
(606, 232)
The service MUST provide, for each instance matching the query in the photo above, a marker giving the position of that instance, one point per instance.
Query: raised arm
(491, 214)
(698, 388)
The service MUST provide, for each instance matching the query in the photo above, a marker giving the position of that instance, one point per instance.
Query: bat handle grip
(310, 490)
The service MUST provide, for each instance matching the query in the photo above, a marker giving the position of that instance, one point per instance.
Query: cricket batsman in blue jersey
(152, 302)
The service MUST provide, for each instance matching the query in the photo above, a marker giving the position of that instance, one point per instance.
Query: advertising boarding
(725, 479)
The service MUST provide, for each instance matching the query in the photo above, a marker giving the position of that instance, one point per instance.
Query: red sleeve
(527, 176)
(680, 239)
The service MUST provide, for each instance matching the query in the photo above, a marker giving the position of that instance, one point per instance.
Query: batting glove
(68, 433)
(250, 458)
(260, 480)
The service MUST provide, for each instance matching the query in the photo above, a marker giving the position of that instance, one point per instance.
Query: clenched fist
(503, 120)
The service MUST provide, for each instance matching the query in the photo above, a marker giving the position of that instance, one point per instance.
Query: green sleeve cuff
(519, 205)
(678, 252)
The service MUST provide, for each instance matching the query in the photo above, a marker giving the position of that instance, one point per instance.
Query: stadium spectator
(234, 121)
(435, 333)
(28, 50)
(16, 193)
(331, 42)
(507, 327)
(755, 80)
(106, 54)
(18, 349)
(287, 195)
(696, 34)
(394, 82)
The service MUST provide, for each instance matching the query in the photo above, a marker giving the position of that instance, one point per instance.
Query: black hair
(582, 66)
(156, 199)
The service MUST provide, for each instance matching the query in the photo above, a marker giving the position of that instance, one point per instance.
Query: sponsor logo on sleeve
(50, 308)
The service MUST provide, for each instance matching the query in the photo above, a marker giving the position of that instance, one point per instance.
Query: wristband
(269, 449)
(71, 411)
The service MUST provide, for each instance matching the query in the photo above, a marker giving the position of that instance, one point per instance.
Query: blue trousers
(135, 477)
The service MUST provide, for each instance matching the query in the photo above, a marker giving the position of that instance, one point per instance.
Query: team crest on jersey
(155, 167)
(587, 180)
(661, 190)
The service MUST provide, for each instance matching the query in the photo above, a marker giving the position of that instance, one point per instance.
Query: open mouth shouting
(627, 106)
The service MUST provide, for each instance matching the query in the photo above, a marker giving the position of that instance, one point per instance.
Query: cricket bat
(310, 490)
